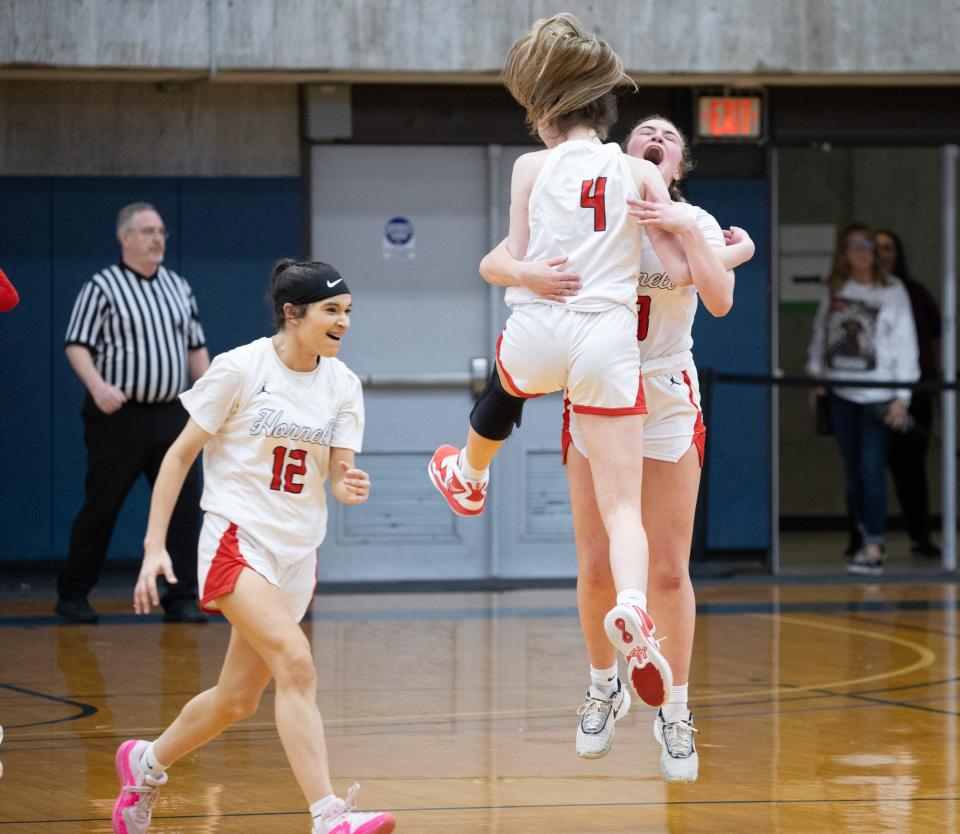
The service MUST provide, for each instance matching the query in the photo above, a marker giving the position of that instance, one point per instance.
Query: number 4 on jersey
(594, 200)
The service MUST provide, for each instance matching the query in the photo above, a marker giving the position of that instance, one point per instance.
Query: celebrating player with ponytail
(275, 418)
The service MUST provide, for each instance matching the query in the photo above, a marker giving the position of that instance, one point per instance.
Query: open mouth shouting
(654, 154)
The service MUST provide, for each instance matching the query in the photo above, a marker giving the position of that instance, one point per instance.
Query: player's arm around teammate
(275, 419)
(713, 281)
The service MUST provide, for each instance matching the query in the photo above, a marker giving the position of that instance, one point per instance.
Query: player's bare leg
(607, 700)
(236, 696)
(670, 503)
(257, 610)
(142, 767)
(596, 593)
(615, 448)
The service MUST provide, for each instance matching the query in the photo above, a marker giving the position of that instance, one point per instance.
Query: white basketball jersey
(578, 209)
(273, 429)
(665, 312)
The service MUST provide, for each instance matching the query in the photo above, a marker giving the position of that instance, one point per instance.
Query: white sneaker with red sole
(464, 497)
(630, 630)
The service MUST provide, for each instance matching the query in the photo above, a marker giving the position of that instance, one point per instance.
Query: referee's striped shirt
(138, 330)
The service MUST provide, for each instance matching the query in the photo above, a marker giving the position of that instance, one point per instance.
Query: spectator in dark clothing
(908, 450)
(907, 456)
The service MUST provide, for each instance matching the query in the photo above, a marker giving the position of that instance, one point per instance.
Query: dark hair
(900, 268)
(686, 159)
(600, 114)
(287, 273)
(840, 269)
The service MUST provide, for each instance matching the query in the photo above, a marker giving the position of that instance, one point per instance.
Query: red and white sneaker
(339, 817)
(630, 630)
(138, 790)
(464, 497)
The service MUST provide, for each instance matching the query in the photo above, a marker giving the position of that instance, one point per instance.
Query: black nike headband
(314, 288)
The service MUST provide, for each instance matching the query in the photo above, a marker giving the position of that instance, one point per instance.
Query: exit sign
(730, 117)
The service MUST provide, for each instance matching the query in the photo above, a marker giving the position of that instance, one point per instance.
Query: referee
(136, 342)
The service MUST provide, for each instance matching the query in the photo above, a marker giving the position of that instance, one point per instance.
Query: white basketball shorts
(673, 422)
(594, 356)
(225, 550)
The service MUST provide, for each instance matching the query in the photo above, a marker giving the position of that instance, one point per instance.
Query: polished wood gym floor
(821, 708)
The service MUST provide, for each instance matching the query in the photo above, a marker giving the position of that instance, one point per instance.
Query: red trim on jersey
(565, 437)
(224, 570)
(506, 373)
(639, 406)
(699, 427)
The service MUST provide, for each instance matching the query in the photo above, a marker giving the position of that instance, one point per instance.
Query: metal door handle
(475, 378)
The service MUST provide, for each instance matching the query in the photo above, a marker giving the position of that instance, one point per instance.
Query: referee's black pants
(120, 447)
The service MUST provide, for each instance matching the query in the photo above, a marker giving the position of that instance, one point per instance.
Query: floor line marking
(537, 807)
(926, 658)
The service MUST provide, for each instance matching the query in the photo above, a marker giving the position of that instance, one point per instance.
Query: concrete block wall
(752, 38)
(109, 128)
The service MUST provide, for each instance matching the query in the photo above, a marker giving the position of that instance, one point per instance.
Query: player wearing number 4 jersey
(673, 451)
(276, 418)
(569, 203)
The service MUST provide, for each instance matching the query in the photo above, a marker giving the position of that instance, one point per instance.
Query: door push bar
(475, 378)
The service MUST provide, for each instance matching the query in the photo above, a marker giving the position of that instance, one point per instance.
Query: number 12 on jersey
(283, 481)
(591, 196)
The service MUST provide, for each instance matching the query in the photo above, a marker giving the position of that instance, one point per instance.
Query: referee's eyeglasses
(150, 231)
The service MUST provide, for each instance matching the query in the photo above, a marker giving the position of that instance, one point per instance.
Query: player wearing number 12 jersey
(276, 418)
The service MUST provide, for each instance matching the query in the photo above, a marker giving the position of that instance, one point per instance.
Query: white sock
(604, 679)
(468, 471)
(676, 708)
(632, 596)
(150, 763)
(317, 808)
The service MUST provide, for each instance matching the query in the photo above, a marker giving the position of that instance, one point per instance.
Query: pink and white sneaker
(138, 790)
(339, 817)
(630, 630)
(464, 497)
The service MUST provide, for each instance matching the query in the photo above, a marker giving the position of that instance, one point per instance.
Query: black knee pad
(496, 412)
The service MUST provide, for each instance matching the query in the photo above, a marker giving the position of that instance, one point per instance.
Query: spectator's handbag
(823, 425)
